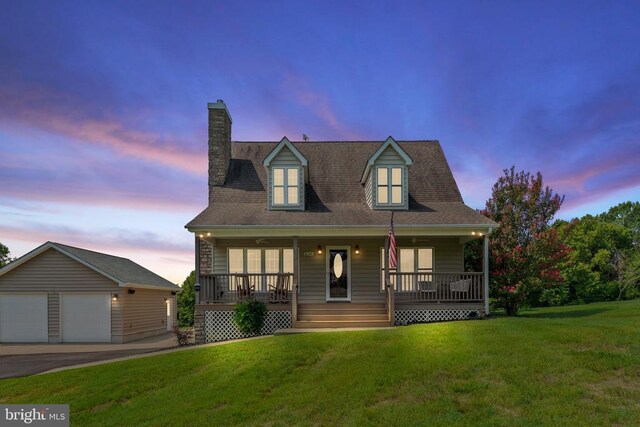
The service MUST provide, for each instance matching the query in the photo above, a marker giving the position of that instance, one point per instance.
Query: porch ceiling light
(319, 250)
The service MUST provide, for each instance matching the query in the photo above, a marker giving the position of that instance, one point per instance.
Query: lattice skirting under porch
(219, 325)
(404, 317)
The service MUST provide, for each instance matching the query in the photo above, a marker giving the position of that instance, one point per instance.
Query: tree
(4, 255)
(626, 214)
(525, 252)
(599, 249)
(187, 301)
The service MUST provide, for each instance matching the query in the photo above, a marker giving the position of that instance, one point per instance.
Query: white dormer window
(389, 191)
(286, 187)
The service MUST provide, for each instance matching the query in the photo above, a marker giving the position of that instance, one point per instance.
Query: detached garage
(60, 293)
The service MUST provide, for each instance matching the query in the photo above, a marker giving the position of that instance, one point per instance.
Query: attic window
(389, 190)
(286, 187)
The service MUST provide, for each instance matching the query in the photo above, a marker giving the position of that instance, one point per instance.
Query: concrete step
(340, 306)
(342, 317)
(306, 324)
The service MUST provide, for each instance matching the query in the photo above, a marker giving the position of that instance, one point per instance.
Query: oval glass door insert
(337, 266)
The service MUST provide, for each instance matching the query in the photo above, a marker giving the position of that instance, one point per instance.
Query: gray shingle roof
(123, 269)
(334, 194)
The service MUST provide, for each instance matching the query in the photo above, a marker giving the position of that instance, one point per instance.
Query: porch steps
(342, 315)
(302, 324)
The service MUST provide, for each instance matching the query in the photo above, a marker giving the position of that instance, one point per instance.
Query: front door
(338, 274)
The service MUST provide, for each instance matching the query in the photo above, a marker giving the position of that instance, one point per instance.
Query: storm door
(338, 274)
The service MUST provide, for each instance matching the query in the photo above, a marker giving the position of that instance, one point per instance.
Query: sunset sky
(103, 118)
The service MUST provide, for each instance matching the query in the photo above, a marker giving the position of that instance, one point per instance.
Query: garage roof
(121, 270)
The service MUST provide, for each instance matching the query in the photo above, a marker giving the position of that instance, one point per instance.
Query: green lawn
(558, 366)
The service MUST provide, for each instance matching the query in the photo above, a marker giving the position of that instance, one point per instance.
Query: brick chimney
(219, 143)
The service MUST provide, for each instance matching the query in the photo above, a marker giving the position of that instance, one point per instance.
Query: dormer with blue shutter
(386, 178)
(287, 172)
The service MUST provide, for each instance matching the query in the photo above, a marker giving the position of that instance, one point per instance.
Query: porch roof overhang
(405, 230)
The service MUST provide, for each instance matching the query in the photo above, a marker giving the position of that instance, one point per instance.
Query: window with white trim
(258, 261)
(286, 187)
(261, 264)
(389, 186)
(418, 261)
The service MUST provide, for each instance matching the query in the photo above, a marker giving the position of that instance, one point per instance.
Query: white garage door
(85, 317)
(23, 318)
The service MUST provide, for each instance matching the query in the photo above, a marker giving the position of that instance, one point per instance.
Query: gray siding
(220, 253)
(52, 271)
(390, 157)
(368, 191)
(146, 311)
(366, 268)
(53, 307)
(286, 158)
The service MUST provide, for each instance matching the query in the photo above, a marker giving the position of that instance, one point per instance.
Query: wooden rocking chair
(280, 292)
(244, 289)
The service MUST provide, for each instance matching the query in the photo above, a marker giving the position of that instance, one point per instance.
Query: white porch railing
(438, 287)
(232, 288)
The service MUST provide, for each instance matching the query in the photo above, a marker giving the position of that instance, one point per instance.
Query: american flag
(393, 261)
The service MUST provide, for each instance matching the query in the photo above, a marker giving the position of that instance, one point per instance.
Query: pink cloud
(112, 243)
(36, 109)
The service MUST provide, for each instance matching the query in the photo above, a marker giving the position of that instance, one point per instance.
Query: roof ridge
(89, 250)
(338, 141)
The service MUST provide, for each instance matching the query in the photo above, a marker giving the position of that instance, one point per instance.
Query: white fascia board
(331, 230)
(26, 257)
(154, 287)
(285, 143)
(390, 142)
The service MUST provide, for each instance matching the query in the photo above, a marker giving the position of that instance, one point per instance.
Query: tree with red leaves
(525, 252)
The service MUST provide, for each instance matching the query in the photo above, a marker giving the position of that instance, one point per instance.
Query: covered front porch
(341, 281)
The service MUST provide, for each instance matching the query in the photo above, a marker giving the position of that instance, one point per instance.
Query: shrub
(249, 316)
(187, 301)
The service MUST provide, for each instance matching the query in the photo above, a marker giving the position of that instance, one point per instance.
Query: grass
(558, 366)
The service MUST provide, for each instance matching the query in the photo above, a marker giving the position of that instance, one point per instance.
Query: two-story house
(305, 227)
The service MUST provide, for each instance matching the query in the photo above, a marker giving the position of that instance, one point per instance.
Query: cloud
(43, 109)
(110, 241)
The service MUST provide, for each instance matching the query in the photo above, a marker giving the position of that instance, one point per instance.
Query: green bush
(249, 316)
(187, 301)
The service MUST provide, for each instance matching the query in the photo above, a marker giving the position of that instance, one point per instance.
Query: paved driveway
(20, 365)
(18, 360)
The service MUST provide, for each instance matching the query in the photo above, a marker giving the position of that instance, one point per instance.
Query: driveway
(18, 360)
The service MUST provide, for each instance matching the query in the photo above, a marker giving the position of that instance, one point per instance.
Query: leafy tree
(525, 252)
(600, 250)
(4, 255)
(187, 301)
(626, 214)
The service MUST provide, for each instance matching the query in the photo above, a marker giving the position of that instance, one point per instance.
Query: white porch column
(294, 289)
(197, 284)
(485, 270)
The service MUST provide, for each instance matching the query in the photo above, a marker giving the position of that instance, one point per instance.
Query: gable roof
(390, 142)
(121, 270)
(334, 194)
(281, 145)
